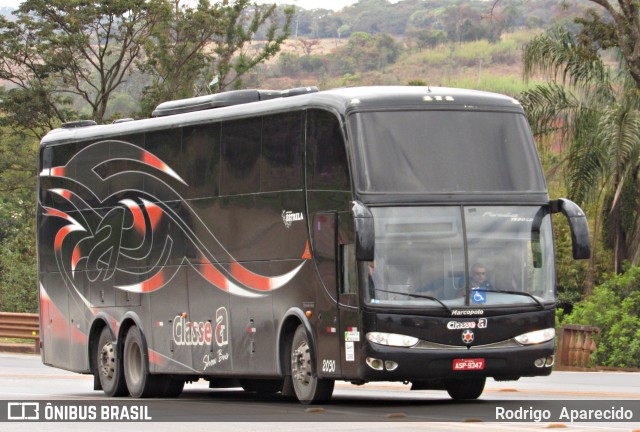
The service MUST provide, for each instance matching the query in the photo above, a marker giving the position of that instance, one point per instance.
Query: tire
(109, 366)
(140, 382)
(465, 389)
(171, 387)
(262, 386)
(306, 384)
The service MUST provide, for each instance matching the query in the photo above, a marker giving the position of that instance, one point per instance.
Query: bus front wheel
(306, 384)
(465, 389)
(109, 368)
(140, 382)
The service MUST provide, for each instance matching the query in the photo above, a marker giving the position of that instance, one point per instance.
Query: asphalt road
(375, 406)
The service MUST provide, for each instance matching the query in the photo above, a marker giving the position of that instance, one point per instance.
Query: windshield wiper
(417, 296)
(531, 296)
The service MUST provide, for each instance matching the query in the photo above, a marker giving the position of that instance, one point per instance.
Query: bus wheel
(109, 369)
(465, 389)
(170, 387)
(140, 382)
(307, 386)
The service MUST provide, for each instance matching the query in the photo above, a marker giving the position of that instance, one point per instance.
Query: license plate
(468, 364)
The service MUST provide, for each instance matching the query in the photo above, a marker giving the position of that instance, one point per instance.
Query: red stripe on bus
(153, 283)
(155, 214)
(54, 212)
(138, 219)
(212, 274)
(156, 358)
(57, 171)
(75, 257)
(249, 278)
(60, 236)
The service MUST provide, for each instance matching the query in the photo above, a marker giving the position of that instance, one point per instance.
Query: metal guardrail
(577, 343)
(21, 326)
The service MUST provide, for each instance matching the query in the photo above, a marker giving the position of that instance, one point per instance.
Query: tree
(75, 47)
(365, 52)
(308, 45)
(196, 51)
(596, 112)
(18, 287)
(175, 53)
(623, 31)
(231, 59)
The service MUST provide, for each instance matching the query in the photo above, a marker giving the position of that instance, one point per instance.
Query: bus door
(337, 328)
(350, 325)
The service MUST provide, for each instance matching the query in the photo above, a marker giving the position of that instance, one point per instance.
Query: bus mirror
(365, 232)
(580, 241)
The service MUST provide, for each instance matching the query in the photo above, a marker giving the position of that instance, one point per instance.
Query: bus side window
(326, 153)
(349, 272)
(348, 266)
(201, 154)
(241, 142)
(282, 140)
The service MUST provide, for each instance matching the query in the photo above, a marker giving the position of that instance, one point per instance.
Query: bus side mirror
(580, 242)
(365, 232)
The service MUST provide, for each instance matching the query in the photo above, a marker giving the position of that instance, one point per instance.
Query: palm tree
(594, 111)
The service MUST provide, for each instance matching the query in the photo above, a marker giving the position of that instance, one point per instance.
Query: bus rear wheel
(465, 389)
(109, 368)
(306, 384)
(140, 382)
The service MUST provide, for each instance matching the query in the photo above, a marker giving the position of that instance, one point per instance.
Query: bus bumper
(414, 364)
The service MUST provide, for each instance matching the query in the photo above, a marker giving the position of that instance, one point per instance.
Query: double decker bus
(280, 241)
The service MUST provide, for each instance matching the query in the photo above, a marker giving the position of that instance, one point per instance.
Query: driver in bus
(479, 277)
(479, 283)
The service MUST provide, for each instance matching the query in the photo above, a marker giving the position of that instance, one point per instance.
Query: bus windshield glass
(420, 258)
(445, 151)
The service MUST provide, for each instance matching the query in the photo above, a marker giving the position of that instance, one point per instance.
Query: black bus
(280, 241)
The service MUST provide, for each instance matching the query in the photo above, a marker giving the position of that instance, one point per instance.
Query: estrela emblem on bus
(288, 217)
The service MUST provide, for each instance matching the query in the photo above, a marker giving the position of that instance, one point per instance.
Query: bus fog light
(550, 361)
(374, 363)
(390, 365)
(540, 362)
(536, 337)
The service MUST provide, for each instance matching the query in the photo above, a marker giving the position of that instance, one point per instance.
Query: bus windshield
(448, 151)
(420, 258)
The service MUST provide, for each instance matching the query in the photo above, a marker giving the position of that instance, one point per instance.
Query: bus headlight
(536, 337)
(392, 339)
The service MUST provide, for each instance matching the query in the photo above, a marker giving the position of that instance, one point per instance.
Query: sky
(306, 4)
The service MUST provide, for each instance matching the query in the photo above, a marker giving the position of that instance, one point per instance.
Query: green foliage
(62, 47)
(231, 58)
(614, 307)
(593, 111)
(508, 85)
(18, 286)
(366, 52)
(191, 48)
